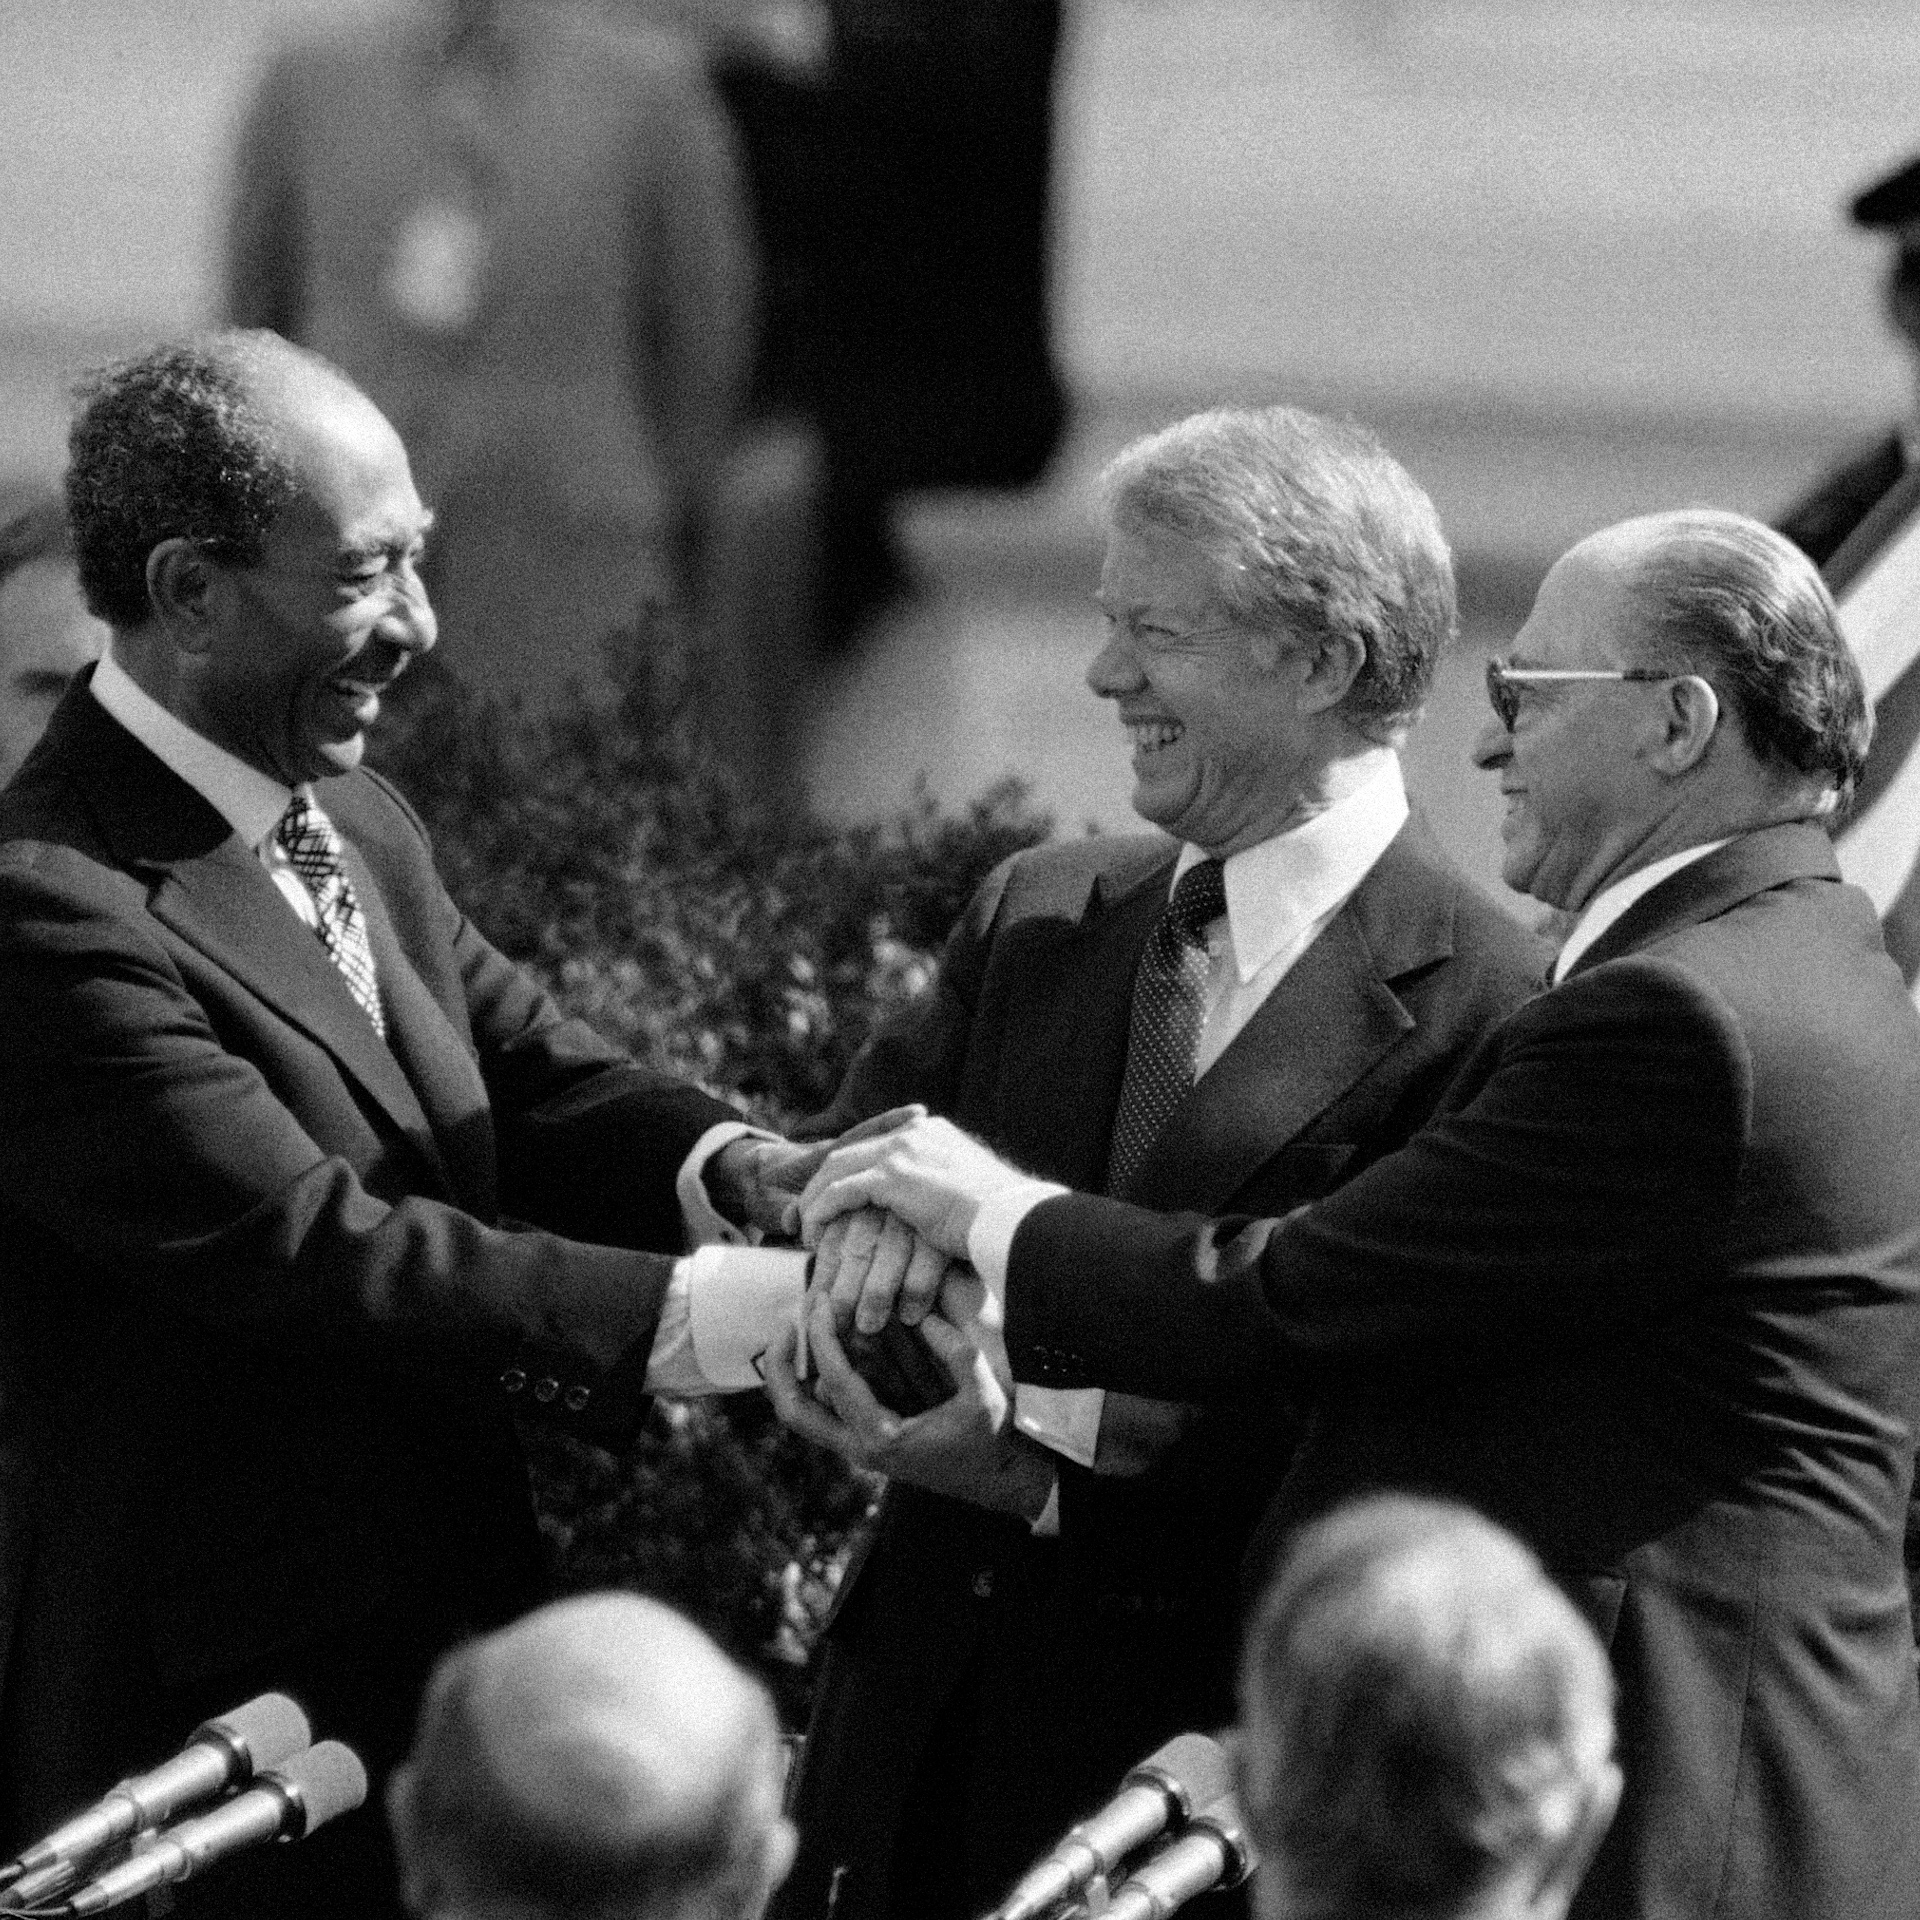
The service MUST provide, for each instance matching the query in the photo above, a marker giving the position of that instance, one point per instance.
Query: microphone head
(267, 1730)
(1193, 1766)
(327, 1780)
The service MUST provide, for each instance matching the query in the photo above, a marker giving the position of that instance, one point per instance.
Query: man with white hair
(600, 1759)
(1426, 1724)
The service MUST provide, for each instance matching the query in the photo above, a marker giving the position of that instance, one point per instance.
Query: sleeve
(143, 1146)
(266, 237)
(1589, 1176)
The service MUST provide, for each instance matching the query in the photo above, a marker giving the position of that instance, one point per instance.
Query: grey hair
(1313, 527)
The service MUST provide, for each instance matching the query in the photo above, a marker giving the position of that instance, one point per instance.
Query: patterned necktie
(314, 848)
(1169, 1012)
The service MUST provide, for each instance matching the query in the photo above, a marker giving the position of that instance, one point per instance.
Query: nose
(1492, 745)
(1114, 671)
(413, 623)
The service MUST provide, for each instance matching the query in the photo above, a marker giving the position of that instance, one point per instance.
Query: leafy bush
(605, 850)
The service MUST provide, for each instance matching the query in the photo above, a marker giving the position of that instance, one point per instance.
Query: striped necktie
(1169, 1014)
(314, 848)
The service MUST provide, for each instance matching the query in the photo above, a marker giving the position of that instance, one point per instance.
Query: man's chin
(331, 757)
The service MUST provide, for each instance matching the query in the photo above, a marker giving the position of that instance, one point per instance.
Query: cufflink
(544, 1390)
(576, 1398)
(514, 1380)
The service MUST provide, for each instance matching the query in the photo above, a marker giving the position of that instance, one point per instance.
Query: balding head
(601, 1759)
(1426, 1722)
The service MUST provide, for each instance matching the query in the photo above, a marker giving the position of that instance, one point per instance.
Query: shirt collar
(1280, 887)
(1612, 901)
(250, 801)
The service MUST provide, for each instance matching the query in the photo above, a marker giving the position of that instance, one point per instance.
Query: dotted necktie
(314, 848)
(1169, 1012)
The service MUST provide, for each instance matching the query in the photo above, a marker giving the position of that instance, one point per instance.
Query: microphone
(287, 1803)
(1213, 1851)
(1189, 1771)
(218, 1755)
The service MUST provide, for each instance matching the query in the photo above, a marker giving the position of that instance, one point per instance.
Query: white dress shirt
(725, 1303)
(1281, 894)
(1611, 902)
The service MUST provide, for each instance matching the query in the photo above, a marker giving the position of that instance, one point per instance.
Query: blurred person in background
(1426, 1724)
(46, 633)
(1819, 522)
(899, 155)
(600, 1759)
(520, 226)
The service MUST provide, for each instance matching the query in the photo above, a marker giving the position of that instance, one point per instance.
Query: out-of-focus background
(1570, 258)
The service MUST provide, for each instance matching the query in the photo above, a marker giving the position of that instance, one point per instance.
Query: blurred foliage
(607, 851)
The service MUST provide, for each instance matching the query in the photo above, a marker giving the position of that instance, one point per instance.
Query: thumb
(950, 1347)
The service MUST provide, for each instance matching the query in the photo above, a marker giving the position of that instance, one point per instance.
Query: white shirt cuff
(990, 1239)
(724, 1307)
(703, 1221)
(1066, 1420)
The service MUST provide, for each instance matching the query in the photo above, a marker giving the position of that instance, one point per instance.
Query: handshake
(898, 1360)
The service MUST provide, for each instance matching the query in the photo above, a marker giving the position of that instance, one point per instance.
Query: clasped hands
(900, 1361)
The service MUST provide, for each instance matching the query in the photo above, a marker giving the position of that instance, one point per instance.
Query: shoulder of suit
(372, 812)
(1058, 876)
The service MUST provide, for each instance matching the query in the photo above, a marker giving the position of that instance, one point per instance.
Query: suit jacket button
(983, 1584)
(544, 1390)
(514, 1380)
(576, 1398)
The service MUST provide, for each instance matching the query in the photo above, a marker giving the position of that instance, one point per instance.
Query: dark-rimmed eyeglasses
(1504, 681)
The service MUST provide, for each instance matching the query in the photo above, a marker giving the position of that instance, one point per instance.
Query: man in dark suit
(298, 1175)
(1045, 1604)
(1647, 1290)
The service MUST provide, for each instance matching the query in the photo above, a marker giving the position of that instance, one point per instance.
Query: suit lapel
(1323, 1027)
(214, 893)
(1067, 1028)
(1749, 864)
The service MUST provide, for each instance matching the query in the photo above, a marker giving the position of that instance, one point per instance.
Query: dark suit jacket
(1647, 1291)
(980, 1677)
(261, 1296)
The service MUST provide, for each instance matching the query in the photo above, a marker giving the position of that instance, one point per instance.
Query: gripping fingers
(926, 1268)
(892, 1260)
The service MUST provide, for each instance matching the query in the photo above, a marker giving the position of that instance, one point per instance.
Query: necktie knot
(1199, 899)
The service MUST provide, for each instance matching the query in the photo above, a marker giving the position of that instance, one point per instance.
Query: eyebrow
(372, 549)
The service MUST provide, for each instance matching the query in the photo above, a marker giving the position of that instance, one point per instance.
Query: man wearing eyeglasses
(1241, 1010)
(1647, 1290)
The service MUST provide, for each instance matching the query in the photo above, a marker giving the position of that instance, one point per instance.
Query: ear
(1333, 666)
(1689, 718)
(180, 585)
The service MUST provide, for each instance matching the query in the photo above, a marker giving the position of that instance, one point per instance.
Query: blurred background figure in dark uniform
(46, 633)
(1819, 523)
(522, 230)
(899, 154)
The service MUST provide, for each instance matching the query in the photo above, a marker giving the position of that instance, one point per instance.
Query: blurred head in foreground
(1426, 1725)
(46, 633)
(600, 1759)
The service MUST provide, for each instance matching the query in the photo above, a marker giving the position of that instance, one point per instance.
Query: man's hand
(966, 1447)
(929, 1173)
(755, 1182)
(872, 1265)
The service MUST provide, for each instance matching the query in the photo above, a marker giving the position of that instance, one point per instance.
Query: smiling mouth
(1152, 736)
